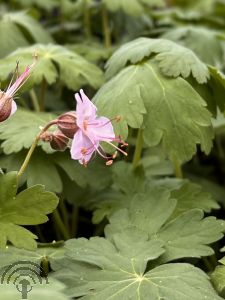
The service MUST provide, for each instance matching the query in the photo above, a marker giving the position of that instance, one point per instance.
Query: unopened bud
(57, 140)
(67, 123)
(5, 106)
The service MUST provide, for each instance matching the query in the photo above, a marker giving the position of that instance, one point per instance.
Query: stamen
(123, 152)
(109, 162)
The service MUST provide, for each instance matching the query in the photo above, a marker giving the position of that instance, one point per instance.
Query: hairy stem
(106, 27)
(138, 148)
(34, 100)
(45, 266)
(60, 225)
(33, 146)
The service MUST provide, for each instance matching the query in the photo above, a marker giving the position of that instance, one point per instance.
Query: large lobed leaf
(173, 59)
(169, 110)
(100, 269)
(74, 71)
(29, 207)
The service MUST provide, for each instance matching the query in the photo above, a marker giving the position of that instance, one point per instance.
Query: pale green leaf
(45, 291)
(98, 269)
(20, 130)
(173, 60)
(74, 71)
(204, 42)
(11, 254)
(218, 279)
(131, 7)
(169, 110)
(30, 25)
(29, 207)
(150, 214)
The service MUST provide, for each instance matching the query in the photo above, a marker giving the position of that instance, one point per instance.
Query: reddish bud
(67, 123)
(5, 106)
(57, 140)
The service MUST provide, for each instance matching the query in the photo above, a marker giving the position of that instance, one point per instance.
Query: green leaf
(204, 42)
(190, 196)
(178, 121)
(151, 212)
(131, 7)
(46, 169)
(11, 254)
(173, 60)
(12, 37)
(99, 269)
(53, 289)
(20, 130)
(30, 25)
(29, 207)
(218, 279)
(74, 71)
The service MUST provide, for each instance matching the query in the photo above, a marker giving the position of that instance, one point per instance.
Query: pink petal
(86, 110)
(13, 89)
(102, 130)
(14, 107)
(81, 141)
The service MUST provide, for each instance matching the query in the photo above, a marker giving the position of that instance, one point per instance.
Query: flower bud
(67, 123)
(57, 140)
(5, 106)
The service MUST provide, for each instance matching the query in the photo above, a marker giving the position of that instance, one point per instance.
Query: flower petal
(16, 85)
(14, 108)
(79, 143)
(86, 110)
(102, 130)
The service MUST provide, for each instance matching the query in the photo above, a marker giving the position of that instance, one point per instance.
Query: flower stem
(138, 148)
(34, 100)
(42, 94)
(105, 27)
(177, 168)
(60, 225)
(33, 146)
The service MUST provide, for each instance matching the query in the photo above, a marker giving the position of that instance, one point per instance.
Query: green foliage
(43, 290)
(173, 60)
(131, 7)
(197, 39)
(18, 30)
(98, 269)
(47, 170)
(19, 131)
(74, 71)
(178, 121)
(29, 207)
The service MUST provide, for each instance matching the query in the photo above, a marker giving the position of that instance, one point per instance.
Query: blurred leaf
(14, 28)
(74, 71)
(177, 122)
(29, 207)
(45, 169)
(20, 130)
(173, 60)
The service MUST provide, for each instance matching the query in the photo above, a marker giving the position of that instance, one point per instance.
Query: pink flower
(91, 131)
(7, 104)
